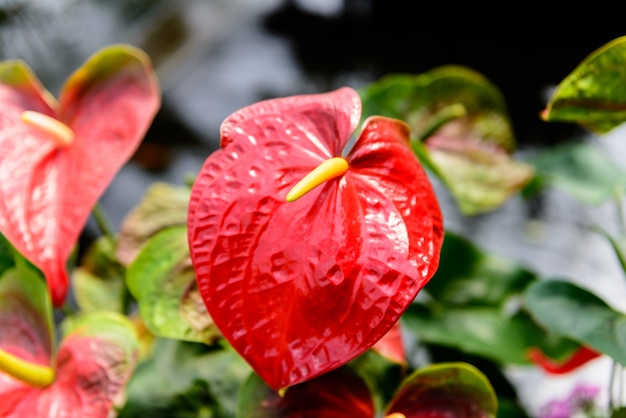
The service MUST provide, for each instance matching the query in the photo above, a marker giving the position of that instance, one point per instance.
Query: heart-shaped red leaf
(47, 191)
(300, 288)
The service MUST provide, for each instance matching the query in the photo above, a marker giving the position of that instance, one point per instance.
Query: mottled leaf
(163, 205)
(593, 95)
(162, 280)
(460, 129)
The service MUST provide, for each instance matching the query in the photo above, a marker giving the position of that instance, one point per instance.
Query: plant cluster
(305, 271)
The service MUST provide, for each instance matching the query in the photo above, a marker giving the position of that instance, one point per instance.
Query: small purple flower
(581, 399)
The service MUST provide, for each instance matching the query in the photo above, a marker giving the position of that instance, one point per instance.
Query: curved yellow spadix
(327, 170)
(60, 132)
(30, 373)
(396, 415)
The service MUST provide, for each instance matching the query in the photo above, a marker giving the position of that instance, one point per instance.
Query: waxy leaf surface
(445, 390)
(93, 362)
(162, 280)
(300, 288)
(583, 317)
(47, 191)
(594, 94)
(163, 205)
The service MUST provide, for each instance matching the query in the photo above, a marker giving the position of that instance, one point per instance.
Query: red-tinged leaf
(391, 346)
(94, 362)
(48, 190)
(26, 328)
(338, 394)
(445, 390)
(578, 359)
(300, 288)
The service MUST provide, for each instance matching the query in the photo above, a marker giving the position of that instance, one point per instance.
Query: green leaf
(594, 94)
(485, 331)
(382, 376)
(186, 379)
(469, 276)
(446, 389)
(580, 169)
(162, 280)
(98, 283)
(576, 313)
(163, 205)
(6, 254)
(460, 129)
(26, 322)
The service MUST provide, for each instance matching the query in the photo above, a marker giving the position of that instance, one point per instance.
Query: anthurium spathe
(82, 378)
(301, 279)
(57, 157)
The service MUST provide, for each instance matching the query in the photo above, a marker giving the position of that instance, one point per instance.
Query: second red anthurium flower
(301, 276)
(57, 157)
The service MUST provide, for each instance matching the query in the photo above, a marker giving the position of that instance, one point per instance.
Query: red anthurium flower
(301, 279)
(57, 158)
(83, 378)
(580, 357)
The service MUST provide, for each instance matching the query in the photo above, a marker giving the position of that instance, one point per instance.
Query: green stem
(27, 372)
(102, 221)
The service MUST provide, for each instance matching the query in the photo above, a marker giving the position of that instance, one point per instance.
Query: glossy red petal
(46, 192)
(301, 288)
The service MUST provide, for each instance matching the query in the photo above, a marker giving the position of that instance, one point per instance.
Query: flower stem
(102, 221)
(31, 373)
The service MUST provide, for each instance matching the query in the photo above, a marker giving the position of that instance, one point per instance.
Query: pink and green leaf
(592, 95)
(109, 104)
(300, 288)
(460, 129)
(26, 323)
(163, 205)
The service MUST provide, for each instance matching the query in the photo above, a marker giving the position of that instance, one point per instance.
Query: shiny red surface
(301, 288)
(46, 192)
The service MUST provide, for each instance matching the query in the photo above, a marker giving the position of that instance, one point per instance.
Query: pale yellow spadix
(57, 130)
(30, 373)
(396, 415)
(327, 170)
